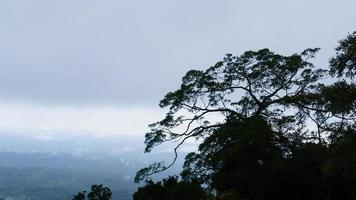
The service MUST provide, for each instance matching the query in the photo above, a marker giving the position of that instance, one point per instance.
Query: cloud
(99, 120)
(132, 52)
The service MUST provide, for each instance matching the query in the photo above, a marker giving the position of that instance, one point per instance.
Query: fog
(80, 81)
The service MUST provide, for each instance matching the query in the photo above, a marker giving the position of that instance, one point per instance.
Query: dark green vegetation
(172, 189)
(270, 127)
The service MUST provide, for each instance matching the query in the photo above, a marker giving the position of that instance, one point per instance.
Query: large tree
(263, 119)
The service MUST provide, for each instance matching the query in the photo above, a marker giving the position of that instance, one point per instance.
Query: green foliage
(269, 126)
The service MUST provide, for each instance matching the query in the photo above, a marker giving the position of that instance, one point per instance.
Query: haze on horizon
(102, 66)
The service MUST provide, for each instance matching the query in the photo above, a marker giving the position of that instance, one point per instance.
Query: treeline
(270, 126)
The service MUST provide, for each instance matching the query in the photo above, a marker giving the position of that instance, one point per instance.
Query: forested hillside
(58, 167)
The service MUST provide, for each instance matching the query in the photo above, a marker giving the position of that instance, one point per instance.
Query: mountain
(56, 166)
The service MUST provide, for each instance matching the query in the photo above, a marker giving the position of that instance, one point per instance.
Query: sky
(103, 65)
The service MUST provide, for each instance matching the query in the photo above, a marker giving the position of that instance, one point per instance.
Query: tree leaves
(344, 63)
(255, 83)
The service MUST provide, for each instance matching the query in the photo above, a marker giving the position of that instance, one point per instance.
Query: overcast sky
(103, 65)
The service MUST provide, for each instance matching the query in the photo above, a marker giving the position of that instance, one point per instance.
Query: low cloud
(100, 120)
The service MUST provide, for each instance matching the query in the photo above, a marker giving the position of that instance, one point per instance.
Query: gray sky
(65, 58)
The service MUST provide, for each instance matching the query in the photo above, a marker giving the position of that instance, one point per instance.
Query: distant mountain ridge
(63, 164)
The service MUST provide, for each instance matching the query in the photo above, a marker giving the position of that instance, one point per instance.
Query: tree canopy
(97, 192)
(270, 126)
(171, 189)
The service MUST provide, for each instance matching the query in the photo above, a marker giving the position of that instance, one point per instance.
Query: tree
(80, 196)
(171, 189)
(98, 192)
(269, 126)
(344, 63)
(340, 168)
(259, 83)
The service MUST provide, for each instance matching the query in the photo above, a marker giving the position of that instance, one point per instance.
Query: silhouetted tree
(269, 126)
(80, 196)
(171, 189)
(340, 168)
(344, 63)
(258, 83)
(97, 192)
